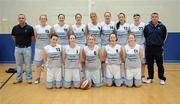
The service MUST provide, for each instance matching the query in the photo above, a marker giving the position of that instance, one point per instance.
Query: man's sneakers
(143, 79)
(148, 81)
(17, 82)
(37, 81)
(29, 81)
(162, 82)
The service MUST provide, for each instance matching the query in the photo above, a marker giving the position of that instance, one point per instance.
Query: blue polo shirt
(23, 35)
(155, 35)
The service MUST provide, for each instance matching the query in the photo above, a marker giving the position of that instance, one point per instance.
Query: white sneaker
(143, 79)
(149, 81)
(162, 82)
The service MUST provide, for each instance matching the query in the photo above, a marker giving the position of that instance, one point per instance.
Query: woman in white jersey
(72, 56)
(122, 29)
(42, 33)
(62, 30)
(78, 29)
(52, 57)
(94, 28)
(112, 56)
(133, 55)
(137, 28)
(93, 56)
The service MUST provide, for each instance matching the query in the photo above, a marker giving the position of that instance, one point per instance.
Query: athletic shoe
(143, 79)
(162, 82)
(149, 81)
(37, 81)
(17, 82)
(29, 81)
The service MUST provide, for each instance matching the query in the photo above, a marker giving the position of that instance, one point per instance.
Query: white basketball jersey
(62, 32)
(72, 60)
(79, 32)
(113, 54)
(122, 34)
(107, 29)
(138, 31)
(92, 61)
(54, 55)
(96, 31)
(132, 57)
(43, 34)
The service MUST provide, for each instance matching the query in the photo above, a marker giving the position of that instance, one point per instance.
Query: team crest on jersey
(135, 51)
(95, 53)
(46, 31)
(125, 28)
(99, 28)
(116, 50)
(57, 49)
(141, 28)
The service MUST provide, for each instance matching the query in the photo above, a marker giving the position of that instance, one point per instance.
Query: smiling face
(107, 17)
(43, 19)
(136, 19)
(91, 41)
(112, 39)
(61, 18)
(121, 18)
(78, 19)
(54, 39)
(131, 38)
(93, 17)
(72, 39)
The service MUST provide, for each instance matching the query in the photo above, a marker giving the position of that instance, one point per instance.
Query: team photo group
(96, 54)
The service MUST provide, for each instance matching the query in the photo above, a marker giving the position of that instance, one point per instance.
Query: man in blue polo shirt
(155, 34)
(23, 34)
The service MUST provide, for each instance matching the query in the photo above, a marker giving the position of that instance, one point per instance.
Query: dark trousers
(155, 53)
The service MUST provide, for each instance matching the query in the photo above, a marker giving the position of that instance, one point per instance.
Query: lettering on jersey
(135, 51)
(95, 52)
(111, 27)
(65, 29)
(58, 49)
(125, 28)
(46, 31)
(141, 28)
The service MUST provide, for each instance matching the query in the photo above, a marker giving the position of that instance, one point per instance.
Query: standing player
(133, 55)
(93, 56)
(122, 30)
(42, 34)
(52, 57)
(137, 28)
(72, 56)
(113, 56)
(78, 29)
(94, 28)
(62, 30)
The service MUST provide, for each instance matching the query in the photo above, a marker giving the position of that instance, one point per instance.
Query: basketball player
(113, 56)
(137, 28)
(62, 30)
(122, 30)
(42, 34)
(133, 55)
(93, 56)
(94, 28)
(52, 57)
(72, 56)
(78, 29)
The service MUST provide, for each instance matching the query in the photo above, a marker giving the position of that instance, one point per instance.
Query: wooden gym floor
(38, 94)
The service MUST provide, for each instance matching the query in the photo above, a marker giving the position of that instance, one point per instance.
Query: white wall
(169, 10)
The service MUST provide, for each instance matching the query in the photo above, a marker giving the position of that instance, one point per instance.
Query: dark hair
(131, 33)
(70, 35)
(154, 13)
(61, 15)
(107, 12)
(136, 15)
(77, 15)
(118, 23)
(53, 34)
(22, 15)
(113, 34)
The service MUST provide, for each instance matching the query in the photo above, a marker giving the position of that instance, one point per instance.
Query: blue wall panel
(171, 48)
